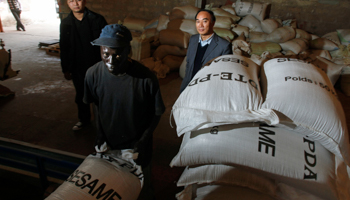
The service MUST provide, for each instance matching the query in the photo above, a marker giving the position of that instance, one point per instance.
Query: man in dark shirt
(77, 30)
(128, 100)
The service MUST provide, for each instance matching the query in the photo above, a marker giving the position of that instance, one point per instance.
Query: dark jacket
(217, 47)
(77, 57)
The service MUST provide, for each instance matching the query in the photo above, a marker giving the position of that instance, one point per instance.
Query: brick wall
(315, 16)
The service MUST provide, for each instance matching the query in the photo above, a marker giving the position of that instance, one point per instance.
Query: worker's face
(204, 24)
(76, 6)
(114, 59)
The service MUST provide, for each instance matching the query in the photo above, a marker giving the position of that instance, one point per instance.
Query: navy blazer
(217, 47)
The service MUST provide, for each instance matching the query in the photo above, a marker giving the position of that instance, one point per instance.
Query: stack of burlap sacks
(161, 43)
(170, 35)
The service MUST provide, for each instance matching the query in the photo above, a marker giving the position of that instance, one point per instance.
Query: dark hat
(114, 35)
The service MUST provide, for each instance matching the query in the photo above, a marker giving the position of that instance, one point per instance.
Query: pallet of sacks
(275, 131)
(111, 175)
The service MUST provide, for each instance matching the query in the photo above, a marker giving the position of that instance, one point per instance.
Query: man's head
(77, 6)
(115, 46)
(205, 21)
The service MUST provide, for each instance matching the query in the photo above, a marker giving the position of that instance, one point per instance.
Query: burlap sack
(282, 34)
(221, 12)
(183, 12)
(174, 37)
(164, 50)
(163, 21)
(269, 25)
(136, 24)
(251, 22)
(296, 45)
(186, 25)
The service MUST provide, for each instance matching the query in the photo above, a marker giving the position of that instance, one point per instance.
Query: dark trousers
(84, 113)
(17, 15)
(147, 192)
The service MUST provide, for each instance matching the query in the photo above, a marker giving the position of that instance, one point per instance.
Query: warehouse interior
(37, 108)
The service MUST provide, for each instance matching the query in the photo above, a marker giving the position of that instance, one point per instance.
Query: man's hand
(101, 148)
(139, 145)
(67, 75)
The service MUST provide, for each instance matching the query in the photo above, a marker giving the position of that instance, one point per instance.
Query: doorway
(33, 12)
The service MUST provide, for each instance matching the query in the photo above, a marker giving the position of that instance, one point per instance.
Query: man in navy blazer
(203, 46)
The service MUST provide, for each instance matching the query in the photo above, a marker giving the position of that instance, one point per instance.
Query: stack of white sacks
(275, 131)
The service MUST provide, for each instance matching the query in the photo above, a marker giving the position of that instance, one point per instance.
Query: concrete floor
(42, 111)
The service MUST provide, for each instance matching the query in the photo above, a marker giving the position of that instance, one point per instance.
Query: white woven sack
(217, 174)
(344, 36)
(269, 25)
(220, 192)
(101, 176)
(174, 37)
(296, 45)
(305, 98)
(182, 70)
(277, 153)
(258, 10)
(252, 23)
(186, 25)
(281, 34)
(235, 97)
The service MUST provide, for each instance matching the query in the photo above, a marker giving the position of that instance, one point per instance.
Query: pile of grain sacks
(161, 43)
(275, 131)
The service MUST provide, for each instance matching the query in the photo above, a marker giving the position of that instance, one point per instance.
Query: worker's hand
(101, 148)
(67, 75)
(139, 145)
